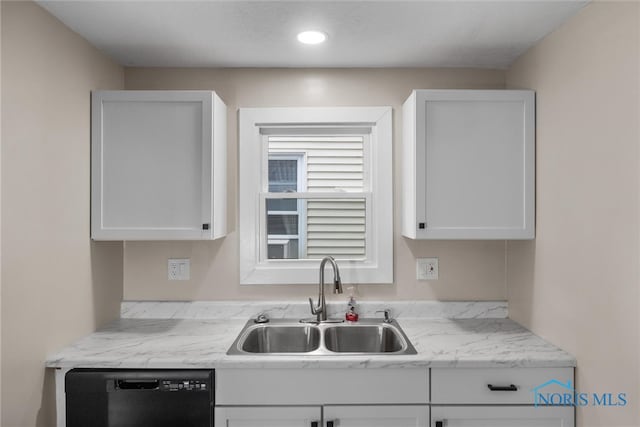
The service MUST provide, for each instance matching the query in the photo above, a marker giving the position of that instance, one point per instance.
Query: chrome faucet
(321, 309)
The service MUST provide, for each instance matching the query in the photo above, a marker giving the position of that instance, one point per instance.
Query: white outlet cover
(427, 269)
(179, 269)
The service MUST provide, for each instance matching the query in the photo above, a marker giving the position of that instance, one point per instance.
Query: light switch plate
(179, 269)
(427, 269)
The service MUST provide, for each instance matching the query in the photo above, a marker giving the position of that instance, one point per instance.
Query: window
(321, 165)
(315, 182)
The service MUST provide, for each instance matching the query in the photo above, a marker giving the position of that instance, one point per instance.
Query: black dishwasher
(139, 398)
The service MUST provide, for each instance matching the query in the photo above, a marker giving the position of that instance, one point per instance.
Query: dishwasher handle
(138, 384)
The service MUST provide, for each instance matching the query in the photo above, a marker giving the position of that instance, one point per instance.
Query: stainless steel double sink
(293, 337)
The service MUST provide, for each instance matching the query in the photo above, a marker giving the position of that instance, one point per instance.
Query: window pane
(283, 249)
(335, 227)
(283, 175)
(322, 227)
(333, 163)
(282, 224)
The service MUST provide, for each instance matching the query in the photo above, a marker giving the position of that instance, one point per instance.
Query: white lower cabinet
(280, 416)
(502, 416)
(394, 416)
(376, 416)
(404, 397)
(394, 397)
(498, 397)
(334, 416)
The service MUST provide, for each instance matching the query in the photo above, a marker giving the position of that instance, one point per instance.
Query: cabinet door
(376, 416)
(474, 172)
(281, 416)
(502, 416)
(152, 164)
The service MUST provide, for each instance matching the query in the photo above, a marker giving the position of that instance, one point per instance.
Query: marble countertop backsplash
(297, 310)
(198, 335)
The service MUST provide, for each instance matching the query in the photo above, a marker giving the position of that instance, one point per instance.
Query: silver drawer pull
(510, 387)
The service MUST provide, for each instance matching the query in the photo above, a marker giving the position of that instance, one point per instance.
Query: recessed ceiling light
(312, 37)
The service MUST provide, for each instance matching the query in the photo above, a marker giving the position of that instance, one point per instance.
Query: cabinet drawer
(495, 386)
(321, 386)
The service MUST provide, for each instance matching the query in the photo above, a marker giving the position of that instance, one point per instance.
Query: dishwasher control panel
(188, 385)
(161, 384)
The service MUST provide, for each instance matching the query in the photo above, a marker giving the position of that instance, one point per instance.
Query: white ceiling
(488, 34)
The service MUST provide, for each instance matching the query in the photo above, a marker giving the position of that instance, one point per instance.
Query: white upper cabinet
(158, 165)
(469, 164)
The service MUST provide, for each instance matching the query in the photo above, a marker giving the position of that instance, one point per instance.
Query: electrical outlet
(427, 268)
(179, 269)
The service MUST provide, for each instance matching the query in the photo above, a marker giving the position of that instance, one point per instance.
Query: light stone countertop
(203, 343)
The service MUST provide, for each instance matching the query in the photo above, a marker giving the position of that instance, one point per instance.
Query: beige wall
(56, 284)
(468, 270)
(577, 284)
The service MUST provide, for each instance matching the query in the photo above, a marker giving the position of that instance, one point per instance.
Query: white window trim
(378, 267)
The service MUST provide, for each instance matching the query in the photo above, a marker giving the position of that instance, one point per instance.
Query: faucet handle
(261, 318)
(387, 315)
(314, 310)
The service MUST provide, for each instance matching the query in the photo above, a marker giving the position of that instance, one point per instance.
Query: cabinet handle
(314, 423)
(330, 423)
(439, 423)
(502, 388)
(205, 226)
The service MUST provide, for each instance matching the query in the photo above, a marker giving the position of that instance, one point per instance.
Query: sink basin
(297, 338)
(381, 338)
(294, 337)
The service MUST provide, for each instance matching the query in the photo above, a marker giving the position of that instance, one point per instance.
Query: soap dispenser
(351, 315)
